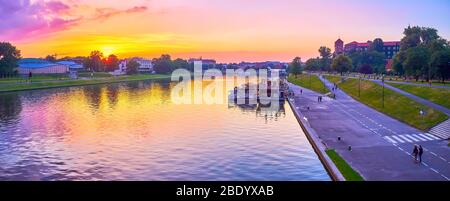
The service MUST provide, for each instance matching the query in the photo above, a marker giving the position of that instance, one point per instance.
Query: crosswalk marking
(418, 137)
(410, 138)
(390, 140)
(426, 137)
(398, 139)
(432, 136)
(403, 137)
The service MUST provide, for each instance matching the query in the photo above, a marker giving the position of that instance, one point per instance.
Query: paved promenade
(381, 145)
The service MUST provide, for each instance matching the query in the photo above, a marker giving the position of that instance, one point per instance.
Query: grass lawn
(333, 79)
(395, 104)
(41, 77)
(437, 95)
(303, 80)
(346, 170)
(79, 82)
(96, 74)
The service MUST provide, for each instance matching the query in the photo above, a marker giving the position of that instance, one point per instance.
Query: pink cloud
(25, 19)
(28, 20)
(105, 13)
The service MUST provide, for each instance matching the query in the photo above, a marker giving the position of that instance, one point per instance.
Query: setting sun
(107, 50)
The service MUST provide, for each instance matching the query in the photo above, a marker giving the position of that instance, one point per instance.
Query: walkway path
(381, 145)
(420, 85)
(416, 98)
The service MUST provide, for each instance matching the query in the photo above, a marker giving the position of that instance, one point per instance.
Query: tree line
(423, 54)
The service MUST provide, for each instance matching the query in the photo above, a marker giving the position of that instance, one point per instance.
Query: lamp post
(359, 87)
(382, 80)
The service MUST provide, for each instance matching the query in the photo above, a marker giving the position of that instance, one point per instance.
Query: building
(390, 48)
(73, 66)
(206, 63)
(41, 66)
(338, 47)
(146, 66)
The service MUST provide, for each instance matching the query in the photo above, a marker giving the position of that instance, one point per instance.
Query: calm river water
(132, 131)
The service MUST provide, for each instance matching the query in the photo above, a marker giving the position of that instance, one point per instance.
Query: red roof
(391, 43)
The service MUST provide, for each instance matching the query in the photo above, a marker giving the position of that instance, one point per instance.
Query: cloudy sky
(227, 30)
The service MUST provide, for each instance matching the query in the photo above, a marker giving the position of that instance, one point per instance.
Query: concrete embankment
(317, 144)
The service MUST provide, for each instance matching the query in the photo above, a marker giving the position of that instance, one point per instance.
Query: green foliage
(341, 64)
(325, 61)
(180, 64)
(440, 64)
(51, 58)
(132, 67)
(111, 63)
(9, 56)
(295, 67)
(163, 64)
(313, 64)
(346, 170)
(374, 59)
(94, 61)
(416, 62)
(377, 45)
(422, 53)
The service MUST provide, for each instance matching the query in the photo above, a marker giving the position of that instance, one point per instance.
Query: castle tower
(338, 46)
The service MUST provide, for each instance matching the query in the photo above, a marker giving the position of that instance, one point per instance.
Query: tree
(94, 61)
(377, 45)
(163, 64)
(416, 62)
(111, 63)
(51, 58)
(341, 64)
(313, 64)
(325, 54)
(9, 56)
(180, 63)
(397, 63)
(295, 67)
(132, 67)
(440, 62)
(366, 69)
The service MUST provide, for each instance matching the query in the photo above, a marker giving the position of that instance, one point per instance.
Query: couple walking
(417, 152)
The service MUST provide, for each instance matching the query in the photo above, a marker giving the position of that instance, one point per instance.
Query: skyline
(228, 31)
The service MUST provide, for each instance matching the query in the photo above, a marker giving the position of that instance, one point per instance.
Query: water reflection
(10, 106)
(132, 131)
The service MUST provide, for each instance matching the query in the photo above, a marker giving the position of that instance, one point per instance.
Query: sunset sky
(226, 30)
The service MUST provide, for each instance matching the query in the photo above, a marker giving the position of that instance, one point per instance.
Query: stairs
(442, 130)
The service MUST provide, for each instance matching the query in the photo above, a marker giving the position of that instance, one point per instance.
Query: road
(381, 145)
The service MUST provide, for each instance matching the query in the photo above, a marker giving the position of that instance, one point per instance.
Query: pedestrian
(301, 91)
(30, 75)
(420, 153)
(415, 152)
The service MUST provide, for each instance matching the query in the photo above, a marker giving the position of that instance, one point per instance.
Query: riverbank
(318, 146)
(48, 83)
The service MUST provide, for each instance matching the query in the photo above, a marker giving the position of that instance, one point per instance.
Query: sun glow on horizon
(108, 50)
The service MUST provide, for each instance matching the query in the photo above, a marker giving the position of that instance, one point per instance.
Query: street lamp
(359, 87)
(382, 80)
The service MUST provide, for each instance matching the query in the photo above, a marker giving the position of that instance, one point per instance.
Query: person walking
(415, 152)
(420, 153)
